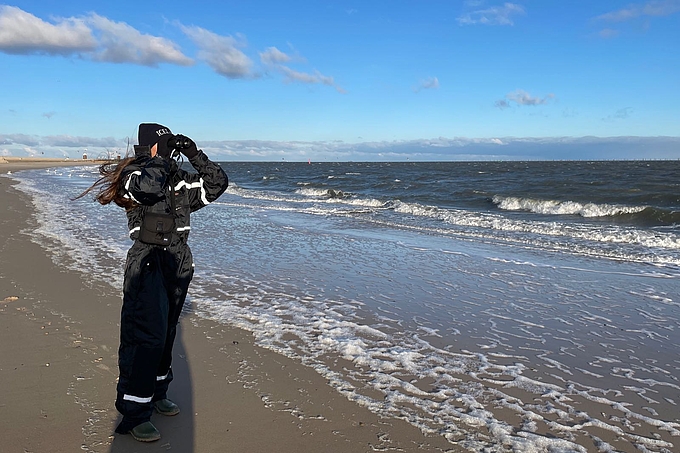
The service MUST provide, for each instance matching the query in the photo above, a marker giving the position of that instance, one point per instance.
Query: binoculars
(178, 142)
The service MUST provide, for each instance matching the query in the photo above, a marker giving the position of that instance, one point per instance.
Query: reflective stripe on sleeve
(127, 186)
(195, 185)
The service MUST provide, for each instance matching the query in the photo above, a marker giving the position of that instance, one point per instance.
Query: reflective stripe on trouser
(155, 287)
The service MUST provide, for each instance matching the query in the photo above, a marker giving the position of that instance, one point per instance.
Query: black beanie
(150, 133)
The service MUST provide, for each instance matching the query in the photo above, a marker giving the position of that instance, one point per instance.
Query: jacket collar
(142, 151)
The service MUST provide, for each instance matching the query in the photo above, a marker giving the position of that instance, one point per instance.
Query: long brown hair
(109, 185)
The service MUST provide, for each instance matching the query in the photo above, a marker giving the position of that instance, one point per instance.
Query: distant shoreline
(11, 159)
(12, 163)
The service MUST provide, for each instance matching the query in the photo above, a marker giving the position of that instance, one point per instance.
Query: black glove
(191, 151)
(162, 148)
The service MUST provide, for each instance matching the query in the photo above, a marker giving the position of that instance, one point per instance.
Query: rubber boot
(166, 407)
(145, 432)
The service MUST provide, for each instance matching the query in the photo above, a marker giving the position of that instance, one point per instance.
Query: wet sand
(58, 343)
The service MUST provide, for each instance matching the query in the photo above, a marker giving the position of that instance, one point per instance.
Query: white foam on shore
(82, 234)
(460, 385)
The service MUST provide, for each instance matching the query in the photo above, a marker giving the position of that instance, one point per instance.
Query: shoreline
(59, 340)
(11, 163)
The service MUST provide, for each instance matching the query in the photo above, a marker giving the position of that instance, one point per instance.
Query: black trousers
(154, 290)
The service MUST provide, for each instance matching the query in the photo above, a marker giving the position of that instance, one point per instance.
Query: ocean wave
(325, 193)
(613, 241)
(306, 195)
(554, 207)
(593, 233)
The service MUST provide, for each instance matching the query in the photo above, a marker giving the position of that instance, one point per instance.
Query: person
(158, 197)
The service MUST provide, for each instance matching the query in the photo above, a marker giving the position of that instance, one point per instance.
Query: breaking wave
(554, 207)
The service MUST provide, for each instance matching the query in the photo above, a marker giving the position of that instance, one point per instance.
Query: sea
(506, 306)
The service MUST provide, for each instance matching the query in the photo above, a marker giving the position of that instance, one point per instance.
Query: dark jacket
(147, 181)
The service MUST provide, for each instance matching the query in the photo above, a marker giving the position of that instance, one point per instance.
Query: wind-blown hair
(108, 185)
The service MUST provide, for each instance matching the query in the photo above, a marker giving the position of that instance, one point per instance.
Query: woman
(158, 197)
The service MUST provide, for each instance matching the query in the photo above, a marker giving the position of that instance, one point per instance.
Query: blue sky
(345, 80)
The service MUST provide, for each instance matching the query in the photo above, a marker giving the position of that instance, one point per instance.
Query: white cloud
(521, 97)
(305, 77)
(620, 114)
(21, 33)
(273, 58)
(70, 141)
(427, 84)
(496, 15)
(20, 139)
(641, 11)
(98, 38)
(94, 37)
(457, 148)
(121, 43)
(661, 8)
(653, 8)
(608, 33)
(221, 52)
(436, 149)
(58, 140)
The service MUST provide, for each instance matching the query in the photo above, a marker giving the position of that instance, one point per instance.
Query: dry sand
(9, 163)
(58, 368)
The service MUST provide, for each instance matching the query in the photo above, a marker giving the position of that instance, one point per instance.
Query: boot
(166, 407)
(145, 432)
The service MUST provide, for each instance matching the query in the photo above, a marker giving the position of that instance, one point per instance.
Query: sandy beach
(11, 163)
(59, 338)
